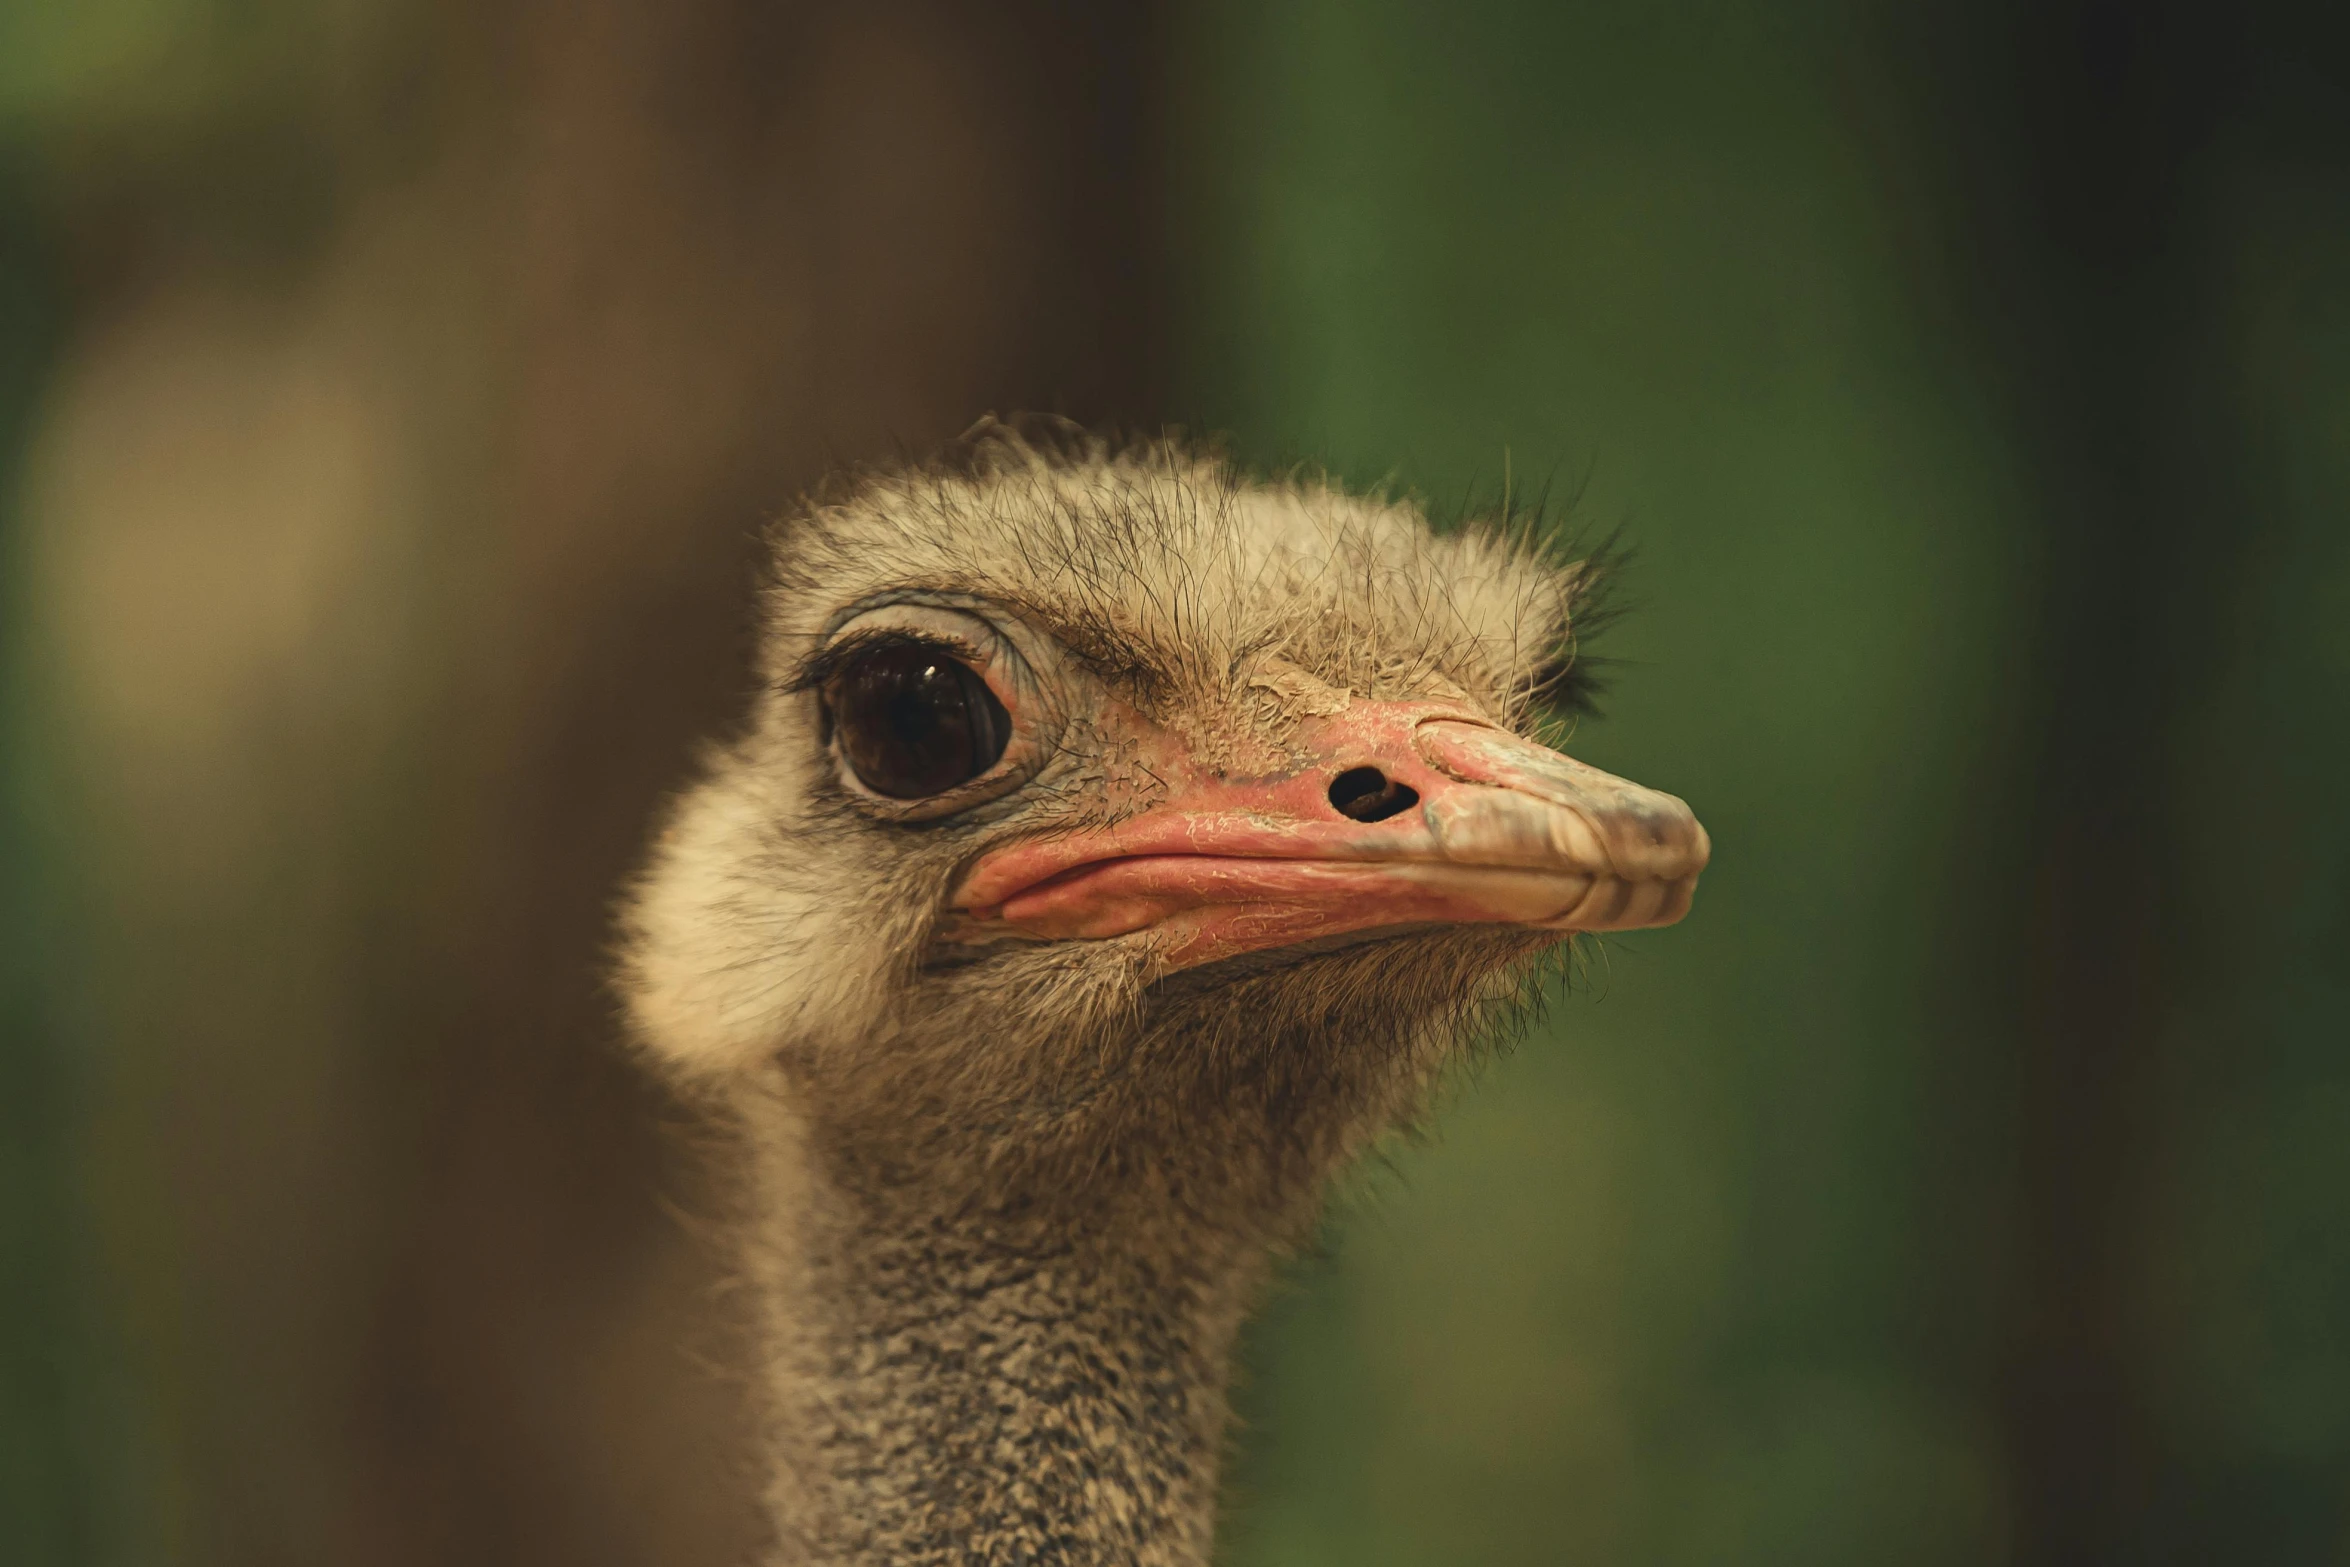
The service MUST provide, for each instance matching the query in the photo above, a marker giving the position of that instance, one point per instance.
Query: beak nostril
(1368, 795)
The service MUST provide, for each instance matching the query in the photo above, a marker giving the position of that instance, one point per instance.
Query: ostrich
(1116, 847)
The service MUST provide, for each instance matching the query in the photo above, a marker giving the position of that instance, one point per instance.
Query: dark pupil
(914, 721)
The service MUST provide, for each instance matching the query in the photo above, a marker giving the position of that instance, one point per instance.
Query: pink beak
(1472, 825)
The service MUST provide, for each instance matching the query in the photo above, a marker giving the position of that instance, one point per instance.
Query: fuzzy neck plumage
(1027, 1378)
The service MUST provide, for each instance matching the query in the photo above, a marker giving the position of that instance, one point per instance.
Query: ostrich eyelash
(823, 665)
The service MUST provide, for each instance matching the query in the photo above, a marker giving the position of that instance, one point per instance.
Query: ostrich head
(1117, 844)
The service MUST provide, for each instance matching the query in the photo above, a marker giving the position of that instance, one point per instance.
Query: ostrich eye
(913, 720)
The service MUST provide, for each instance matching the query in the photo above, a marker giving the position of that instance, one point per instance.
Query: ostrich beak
(1398, 815)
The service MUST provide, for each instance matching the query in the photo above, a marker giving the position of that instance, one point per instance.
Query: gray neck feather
(1000, 1381)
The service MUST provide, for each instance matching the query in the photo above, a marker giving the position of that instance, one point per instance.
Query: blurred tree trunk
(2075, 196)
(47, 1505)
(394, 515)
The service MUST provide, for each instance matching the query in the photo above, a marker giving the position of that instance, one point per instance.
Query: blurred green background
(389, 394)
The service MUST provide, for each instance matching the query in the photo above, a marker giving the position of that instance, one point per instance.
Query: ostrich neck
(963, 1382)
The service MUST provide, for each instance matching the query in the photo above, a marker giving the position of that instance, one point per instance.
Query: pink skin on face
(1503, 831)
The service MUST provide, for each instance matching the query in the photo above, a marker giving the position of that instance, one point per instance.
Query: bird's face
(1112, 808)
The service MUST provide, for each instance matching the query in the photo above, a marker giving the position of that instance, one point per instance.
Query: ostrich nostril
(1369, 795)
